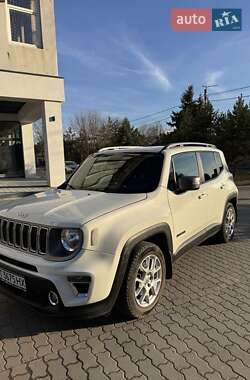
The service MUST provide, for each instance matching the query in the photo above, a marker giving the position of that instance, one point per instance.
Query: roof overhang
(25, 86)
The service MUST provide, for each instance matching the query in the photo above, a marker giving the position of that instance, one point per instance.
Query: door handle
(203, 195)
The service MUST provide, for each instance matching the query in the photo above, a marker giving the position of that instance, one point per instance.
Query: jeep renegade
(110, 234)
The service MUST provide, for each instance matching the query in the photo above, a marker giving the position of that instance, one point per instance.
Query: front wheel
(227, 231)
(144, 281)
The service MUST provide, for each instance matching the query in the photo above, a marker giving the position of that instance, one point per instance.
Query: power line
(212, 100)
(233, 98)
(155, 122)
(227, 91)
(154, 113)
(177, 106)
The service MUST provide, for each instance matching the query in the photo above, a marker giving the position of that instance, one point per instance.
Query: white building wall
(28, 151)
(28, 58)
(53, 141)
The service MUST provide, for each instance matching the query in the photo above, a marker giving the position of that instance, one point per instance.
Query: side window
(183, 164)
(219, 162)
(210, 166)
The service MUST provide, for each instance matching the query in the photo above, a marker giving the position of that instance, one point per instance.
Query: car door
(189, 209)
(214, 185)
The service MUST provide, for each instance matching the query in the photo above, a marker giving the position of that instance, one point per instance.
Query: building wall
(29, 58)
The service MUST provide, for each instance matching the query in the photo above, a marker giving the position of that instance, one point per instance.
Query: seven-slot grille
(24, 236)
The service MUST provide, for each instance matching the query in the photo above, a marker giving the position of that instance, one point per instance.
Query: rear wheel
(144, 281)
(227, 231)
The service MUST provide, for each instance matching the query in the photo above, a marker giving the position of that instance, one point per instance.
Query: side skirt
(196, 240)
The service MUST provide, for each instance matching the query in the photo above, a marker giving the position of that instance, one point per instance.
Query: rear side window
(219, 162)
(209, 164)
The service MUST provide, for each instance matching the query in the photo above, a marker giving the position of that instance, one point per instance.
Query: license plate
(12, 279)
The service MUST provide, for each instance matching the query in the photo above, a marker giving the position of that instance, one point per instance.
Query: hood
(66, 207)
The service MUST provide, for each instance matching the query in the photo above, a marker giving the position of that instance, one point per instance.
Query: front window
(25, 21)
(119, 173)
(182, 164)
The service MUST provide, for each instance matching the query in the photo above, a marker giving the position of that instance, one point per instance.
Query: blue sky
(121, 58)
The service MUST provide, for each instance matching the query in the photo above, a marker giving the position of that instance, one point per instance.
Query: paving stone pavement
(200, 329)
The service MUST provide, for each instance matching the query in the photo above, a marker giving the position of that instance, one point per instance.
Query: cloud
(150, 67)
(91, 60)
(213, 77)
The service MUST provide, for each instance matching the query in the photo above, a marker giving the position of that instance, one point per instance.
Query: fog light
(53, 298)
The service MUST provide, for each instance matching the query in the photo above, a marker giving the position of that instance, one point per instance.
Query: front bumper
(37, 297)
(42, 276)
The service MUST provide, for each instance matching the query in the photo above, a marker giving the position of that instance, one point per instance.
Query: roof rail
(183, 144)
(119, 148)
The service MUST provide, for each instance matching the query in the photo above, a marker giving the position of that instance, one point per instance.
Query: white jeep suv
(110, 234)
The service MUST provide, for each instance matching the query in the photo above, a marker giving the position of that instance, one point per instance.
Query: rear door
(214, 184)
(190, 209)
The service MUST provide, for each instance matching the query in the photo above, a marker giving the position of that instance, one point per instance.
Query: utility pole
(206, 87)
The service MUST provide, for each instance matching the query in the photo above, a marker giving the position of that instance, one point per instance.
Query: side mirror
(188, 183)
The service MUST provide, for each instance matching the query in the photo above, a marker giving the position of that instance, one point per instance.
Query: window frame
(172, 165)
(203, 181)
(31, 12)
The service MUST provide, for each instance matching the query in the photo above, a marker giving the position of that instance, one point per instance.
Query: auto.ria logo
(206, 20)
(226, 20)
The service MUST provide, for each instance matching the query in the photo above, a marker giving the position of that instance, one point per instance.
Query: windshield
(119, 173)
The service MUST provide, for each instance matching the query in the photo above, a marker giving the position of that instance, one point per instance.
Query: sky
(121, 58)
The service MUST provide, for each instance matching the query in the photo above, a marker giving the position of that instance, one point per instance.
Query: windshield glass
(119, 172)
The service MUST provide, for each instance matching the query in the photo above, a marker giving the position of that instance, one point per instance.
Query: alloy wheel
(148, 281)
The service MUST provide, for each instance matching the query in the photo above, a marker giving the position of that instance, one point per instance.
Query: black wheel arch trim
(232, 196)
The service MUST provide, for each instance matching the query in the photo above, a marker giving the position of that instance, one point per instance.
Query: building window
(25, 21)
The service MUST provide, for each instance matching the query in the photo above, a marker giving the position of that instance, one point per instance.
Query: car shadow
(19, 320)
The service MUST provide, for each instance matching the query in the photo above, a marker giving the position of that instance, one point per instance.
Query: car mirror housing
(188, 183)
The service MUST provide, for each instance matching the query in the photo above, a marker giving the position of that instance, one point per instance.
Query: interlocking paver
(108, 363)
(169, 372)
(200, 330)
(134, 351)
(244, 344)
(148, 369)
(57, 370)
(87, 358)
(126, 364)
(200, 364)
(240, 368)
(192, 374)
(38, 368)
(223, 368)
(76, 372)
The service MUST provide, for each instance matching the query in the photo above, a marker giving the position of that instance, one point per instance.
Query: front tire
(144, 281)
(227, 231)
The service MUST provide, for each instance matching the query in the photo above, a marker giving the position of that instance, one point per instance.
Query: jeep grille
(24, 236)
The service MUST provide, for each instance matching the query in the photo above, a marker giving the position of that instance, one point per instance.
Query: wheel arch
(233, 198)
(161, 236)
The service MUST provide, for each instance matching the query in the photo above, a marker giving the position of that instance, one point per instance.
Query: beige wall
(53, 141)
(28, 151)
(31, 87)
(29, 58)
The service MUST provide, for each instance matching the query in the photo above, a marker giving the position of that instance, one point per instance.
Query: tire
(226, 234)
(142, 289)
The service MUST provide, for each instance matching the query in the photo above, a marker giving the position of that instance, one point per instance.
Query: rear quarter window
(210, 165)
(219, 162)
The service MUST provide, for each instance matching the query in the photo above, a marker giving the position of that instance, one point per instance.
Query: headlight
(71, 239)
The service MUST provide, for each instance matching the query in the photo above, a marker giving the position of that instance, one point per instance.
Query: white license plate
(13, 279)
